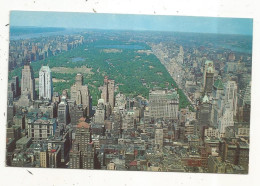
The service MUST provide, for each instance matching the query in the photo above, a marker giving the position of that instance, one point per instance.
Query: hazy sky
(133, 22)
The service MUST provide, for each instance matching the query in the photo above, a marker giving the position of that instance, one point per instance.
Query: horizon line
(118, 29)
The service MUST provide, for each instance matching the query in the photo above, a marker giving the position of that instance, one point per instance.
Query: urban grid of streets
(63, 129)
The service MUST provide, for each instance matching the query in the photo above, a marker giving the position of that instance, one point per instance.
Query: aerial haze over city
(129, 92)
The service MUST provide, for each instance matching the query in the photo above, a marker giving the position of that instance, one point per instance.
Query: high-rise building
(83, 135)
(10, 94)
(54, 156)
(82, 153)
(75, 156)
(230, 90)
(76, 112)
(218, 89)
(163, 104)
(16, 88)
(56, 97)
(246, 103)
(28, 82)
(205, 112)
(45, 83)
(44, 158)
(63, 112)
(100, 113)
(80, 94)
(108, 92)
(226, 119)
(208, 76)
(88, 157)
(180, 58)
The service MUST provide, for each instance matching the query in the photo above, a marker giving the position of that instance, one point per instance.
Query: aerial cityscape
(139, 99)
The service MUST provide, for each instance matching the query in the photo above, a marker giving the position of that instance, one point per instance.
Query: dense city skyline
(129, 100)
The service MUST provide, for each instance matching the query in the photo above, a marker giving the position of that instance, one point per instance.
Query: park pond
(77, 59)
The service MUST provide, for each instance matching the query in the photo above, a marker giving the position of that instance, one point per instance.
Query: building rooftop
(218, 84)
(24, 140)
(82, 119)
(83, 125)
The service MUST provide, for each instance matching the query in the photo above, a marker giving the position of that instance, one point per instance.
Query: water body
(43, 34)
(241, 49)
(133, 47)
(77, 59)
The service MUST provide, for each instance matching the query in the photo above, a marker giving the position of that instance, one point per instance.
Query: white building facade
(45, 83)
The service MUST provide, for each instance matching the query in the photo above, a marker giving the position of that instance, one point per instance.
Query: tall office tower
(246, 103)
(10, 112)
(217, 101)
(163, 104)
(56, 97)
(45, 83)
(208, 76)
(76, 112)
(28, 82)
(10, 94)
(82, 153)
(180, 58)
(13, 90)
(80, 94)
(65, 94)
(34, 49)
(75, 156)
(35, 53)
(88, 157)
(83, 135)
(226, 119)
(230, 90)
(120, 101)
(79, 155)
(63, 112)
(15, 81)
(108, 91)
(100, 113)
(218, 89)
(205, 113)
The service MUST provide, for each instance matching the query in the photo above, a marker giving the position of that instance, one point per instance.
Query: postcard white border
(213, 8)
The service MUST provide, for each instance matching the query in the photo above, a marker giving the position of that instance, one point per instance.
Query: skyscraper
(108, 91)
(83, 135)
(208, 76)
(45, 83)
(28, 82)
(100, 113)
(63, 112)
(80, 94)
(15, 81)
(230, 91)
(205, 113)
(246, 103)
(82, 153)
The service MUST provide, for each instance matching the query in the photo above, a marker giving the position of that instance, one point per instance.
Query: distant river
(241, 49)
(43, 34)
